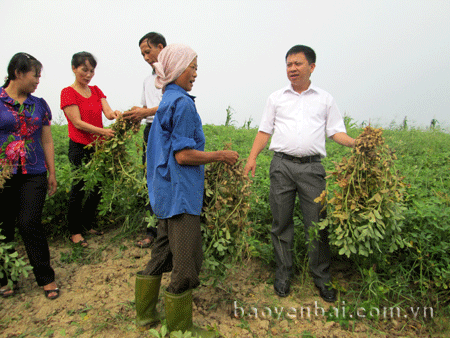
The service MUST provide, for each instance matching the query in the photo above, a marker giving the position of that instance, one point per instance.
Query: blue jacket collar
(173, 86)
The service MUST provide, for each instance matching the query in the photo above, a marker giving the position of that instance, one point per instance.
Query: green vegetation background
(419, 273)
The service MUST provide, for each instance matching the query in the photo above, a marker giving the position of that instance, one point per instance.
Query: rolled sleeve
(183, 135)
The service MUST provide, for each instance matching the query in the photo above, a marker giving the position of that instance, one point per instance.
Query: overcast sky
(382, 60)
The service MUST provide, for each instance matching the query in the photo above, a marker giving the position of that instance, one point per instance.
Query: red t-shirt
(90, 112)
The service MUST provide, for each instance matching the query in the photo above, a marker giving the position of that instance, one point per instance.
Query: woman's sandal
(7, 292)
(48, 292)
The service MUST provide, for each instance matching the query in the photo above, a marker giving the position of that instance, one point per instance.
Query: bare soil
(97, 300)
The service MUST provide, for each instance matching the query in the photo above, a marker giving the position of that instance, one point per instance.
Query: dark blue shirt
(175, 189)
(24, 122)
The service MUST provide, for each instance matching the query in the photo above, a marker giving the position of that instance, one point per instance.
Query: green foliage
(181, 334)
(247, 123)
(77, 255)
(404, 125)
(11, 264)
(224, 216)
(123, 200)
(426, 164)
(55, 207)
(163, 331)
(114, 169)
(423, 159)
(229, 120)
(434, 123)
(366, 206)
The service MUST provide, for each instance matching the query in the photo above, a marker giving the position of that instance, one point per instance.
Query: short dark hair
(22, 63)
(79, 59)
(310, 55)
(154, 38)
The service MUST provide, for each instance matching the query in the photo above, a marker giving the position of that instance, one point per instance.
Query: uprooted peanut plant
(113, 168)
(225, 208)
(365, 208)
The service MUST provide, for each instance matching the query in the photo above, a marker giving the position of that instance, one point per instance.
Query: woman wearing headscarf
(175, 177)
(26, 148)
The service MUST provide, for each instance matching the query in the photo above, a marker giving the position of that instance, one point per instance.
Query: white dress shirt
(298, 122)
(151, 96)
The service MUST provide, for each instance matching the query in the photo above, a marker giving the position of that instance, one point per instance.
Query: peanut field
(388, 207)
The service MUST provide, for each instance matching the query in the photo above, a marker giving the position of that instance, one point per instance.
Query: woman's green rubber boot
(146, 296)
(179, 314)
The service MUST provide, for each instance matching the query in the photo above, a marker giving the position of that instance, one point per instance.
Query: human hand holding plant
(225, 208)
(139, 113)
(115, 114)
(108, 133)
(111, 165)
(229, 156)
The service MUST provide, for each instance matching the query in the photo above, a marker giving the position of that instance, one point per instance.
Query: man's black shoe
(328, 295)
(282, 287)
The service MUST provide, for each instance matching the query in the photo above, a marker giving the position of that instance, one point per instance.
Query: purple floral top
(20, 132)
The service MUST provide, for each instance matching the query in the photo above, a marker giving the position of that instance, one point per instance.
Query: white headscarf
(172, 62)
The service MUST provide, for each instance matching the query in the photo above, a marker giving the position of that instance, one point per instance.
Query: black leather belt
(305, 159)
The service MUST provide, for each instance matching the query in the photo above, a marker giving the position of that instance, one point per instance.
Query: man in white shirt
(151, 44)
(297, 118)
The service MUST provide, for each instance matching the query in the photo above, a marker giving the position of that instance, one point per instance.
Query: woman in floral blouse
(26, 155)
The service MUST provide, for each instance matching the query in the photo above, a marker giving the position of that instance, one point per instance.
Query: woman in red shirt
(83, 106)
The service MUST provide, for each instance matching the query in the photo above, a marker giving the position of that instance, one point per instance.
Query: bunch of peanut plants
(115, 170)
(224, 217)
(365, 209)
